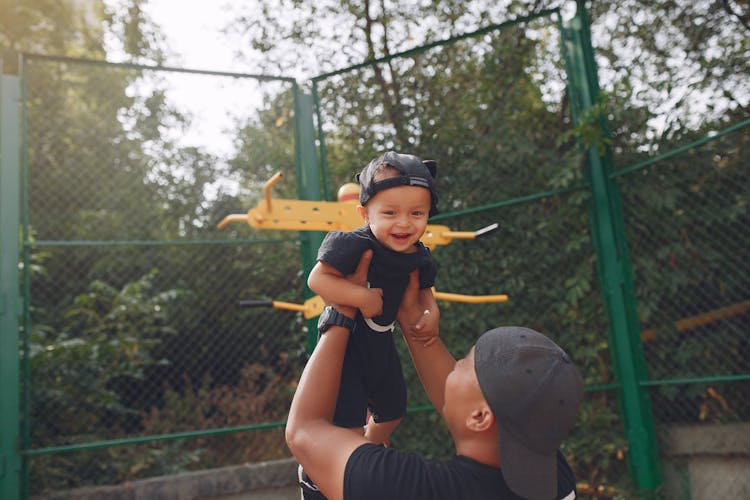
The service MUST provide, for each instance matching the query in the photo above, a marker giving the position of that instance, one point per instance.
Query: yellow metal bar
(231, 218)
(469, 235)
(711, 316)
(313, 306)
(469, 299)
(288, 306)
(702, 319)
(269, 185)
(436, 235)
(307, 215)
(310, 308)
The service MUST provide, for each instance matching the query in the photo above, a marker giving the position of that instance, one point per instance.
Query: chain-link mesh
(688, 230)
(134, 324)
(470, 106)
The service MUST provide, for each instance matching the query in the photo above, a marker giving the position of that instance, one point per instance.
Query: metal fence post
(10, 297)
(613, 259)
(308, 188)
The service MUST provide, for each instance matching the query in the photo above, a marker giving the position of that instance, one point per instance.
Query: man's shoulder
(566, 481)
(376, 472)
(391, 473)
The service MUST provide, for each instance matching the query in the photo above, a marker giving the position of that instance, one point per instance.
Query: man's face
(398, 216)
(462, 391)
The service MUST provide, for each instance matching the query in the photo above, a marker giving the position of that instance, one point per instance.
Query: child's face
(398, 216)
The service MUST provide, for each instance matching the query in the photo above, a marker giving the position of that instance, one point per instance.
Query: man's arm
(433, 362)
(320, 447)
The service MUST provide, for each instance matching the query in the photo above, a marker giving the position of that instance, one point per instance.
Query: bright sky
(193, 40)
(192, 29)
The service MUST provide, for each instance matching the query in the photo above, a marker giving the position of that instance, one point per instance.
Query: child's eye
(388, 212)
(417, 213)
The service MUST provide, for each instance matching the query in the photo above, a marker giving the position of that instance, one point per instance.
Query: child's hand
(371, 303)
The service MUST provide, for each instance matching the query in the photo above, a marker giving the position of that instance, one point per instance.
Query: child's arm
(331, 285)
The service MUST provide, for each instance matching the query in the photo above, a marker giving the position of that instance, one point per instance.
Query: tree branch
(742, 19)
(391, 101)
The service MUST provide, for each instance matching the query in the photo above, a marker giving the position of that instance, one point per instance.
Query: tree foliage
(121, 328)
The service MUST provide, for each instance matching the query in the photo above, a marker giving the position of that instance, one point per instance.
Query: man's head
(396, 199)
(534, 391)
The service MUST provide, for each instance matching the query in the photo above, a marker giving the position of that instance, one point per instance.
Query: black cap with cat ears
(414, 172)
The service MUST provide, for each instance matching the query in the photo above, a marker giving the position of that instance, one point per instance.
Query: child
(397, 196)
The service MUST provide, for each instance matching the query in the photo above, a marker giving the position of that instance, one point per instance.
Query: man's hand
(426, 330)
(418, 314)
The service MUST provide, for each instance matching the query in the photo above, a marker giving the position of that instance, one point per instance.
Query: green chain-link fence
(688, 226)
(138, 361)
(133, 327)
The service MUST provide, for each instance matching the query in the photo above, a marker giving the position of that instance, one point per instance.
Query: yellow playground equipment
(313, 306)
(305, 215)
(341, 215)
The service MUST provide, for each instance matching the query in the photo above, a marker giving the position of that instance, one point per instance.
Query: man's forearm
(315, 397)
(427, 299)
(433, 364)
(320, 447)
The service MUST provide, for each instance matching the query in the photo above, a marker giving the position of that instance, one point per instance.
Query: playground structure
(313, 306)
(304, 215)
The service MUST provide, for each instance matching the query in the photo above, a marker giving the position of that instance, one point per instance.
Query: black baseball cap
(534, 391)
(414, 172)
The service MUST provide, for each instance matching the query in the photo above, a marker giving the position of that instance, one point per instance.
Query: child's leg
(379, 433)
(387, 403)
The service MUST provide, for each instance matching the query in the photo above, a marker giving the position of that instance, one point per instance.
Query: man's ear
(362, 211)
(481, 418)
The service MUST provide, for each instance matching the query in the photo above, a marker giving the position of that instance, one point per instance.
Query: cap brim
(526, 472)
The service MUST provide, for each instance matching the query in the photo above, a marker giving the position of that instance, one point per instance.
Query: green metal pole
(613, 259)
(324, 175)
(308, 188)
(10, 295)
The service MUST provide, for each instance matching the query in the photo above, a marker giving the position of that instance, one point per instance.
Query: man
(508, 405)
